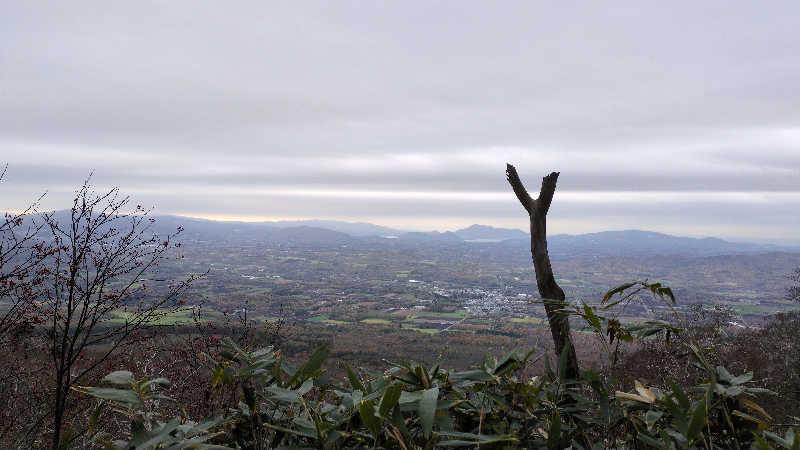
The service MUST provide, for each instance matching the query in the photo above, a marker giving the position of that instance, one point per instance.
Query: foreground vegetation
(266, 402)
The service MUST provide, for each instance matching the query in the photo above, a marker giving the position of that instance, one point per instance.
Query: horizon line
(272, 219)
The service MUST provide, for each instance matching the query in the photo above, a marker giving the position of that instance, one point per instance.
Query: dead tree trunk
(552, 295)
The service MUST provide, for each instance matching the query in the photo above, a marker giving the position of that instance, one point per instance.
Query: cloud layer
(680, 117)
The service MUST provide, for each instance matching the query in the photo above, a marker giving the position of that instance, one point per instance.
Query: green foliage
(492, 405)
(135, 400)
(610, 332)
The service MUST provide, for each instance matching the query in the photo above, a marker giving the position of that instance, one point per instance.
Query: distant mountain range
(356, 229)
(336, 233)
(487, 233)
(642, 243)
(607, 243)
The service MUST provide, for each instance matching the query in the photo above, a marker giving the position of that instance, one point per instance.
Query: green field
(377, 321)
(424, 330)
(526, 319)
(460, 314)
(335, 322)
(182, 317)
(324, 318)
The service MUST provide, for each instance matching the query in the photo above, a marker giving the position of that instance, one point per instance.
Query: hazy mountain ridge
(309, 235)
(334, 233)
(355, 229)
(638, 242)
(486, 232)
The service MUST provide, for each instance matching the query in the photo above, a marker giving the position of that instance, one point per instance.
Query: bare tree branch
(96, 276)
(551, 293)
(546, 193)
(519, 189)
(21, 254)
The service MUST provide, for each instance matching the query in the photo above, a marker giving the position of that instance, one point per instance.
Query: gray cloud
(254, 102)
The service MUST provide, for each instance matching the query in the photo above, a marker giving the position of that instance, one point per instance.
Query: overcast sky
(681, 117)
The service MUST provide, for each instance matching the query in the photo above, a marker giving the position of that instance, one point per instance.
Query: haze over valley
(313, 269)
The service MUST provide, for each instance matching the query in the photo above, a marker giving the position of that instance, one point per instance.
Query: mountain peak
(488, 233)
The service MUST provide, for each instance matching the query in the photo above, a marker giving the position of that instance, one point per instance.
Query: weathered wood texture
(551, 293)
